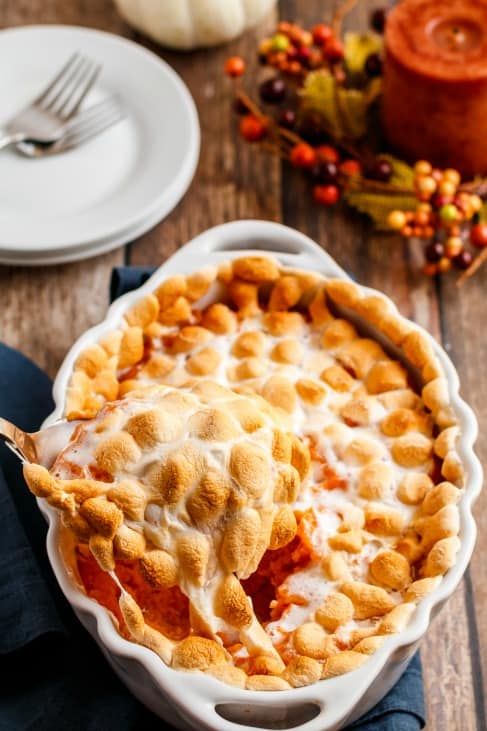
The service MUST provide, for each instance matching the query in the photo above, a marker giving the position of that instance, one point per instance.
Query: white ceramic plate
(125, 180)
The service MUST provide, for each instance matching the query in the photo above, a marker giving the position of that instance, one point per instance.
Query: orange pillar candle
(434, 103)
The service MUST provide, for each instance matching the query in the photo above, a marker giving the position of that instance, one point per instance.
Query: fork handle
(10, 138)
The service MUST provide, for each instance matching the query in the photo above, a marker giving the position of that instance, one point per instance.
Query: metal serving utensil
(40, 447)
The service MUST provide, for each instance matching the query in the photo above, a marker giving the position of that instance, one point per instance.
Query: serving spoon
(40, 447)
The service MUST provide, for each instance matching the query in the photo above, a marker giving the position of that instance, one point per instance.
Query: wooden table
(43, 310)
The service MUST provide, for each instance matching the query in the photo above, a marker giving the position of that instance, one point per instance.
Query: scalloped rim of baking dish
(335, 697)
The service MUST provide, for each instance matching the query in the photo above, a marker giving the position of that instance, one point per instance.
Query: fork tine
(85, 83)
(50, 87)
(93, 113)
(85, 133)
(51, 99)
(68, 80)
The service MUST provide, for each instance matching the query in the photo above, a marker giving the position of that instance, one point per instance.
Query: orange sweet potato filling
(167, 610)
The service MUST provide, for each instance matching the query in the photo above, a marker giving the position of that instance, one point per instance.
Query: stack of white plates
(112, 189)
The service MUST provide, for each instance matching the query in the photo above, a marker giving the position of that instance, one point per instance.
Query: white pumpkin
(187, 24)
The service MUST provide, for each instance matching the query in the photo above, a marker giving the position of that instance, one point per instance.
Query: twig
(339, 14)
(476, 264)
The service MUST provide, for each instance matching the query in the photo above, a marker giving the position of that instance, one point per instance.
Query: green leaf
(402, 173)
(357, 47)
(378, 205)
(343, 111)
(318, 95)
(483, 213)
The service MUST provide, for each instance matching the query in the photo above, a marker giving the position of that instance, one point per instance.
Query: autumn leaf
(357, 47)
(378, 204)
(343, 111)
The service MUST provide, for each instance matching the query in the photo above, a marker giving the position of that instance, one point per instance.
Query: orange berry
(234, 66)
(422, 218)
(425, 184)
(452, 176)
(321, 33)
(407, 231)
(334, 50)
(252, 129)
(478, 235)
(351, 167)
(396, 220)
(422, 167)
(446, 187)
(303, 155)
(430, 269)
(428, 232)
(328, 153)
(444, 265)
(476, 203)
(453, 246)
(327, 195)
(424, 208)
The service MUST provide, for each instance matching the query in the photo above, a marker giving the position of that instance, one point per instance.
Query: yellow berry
(446, 187)
(452, 176)
(422, 167)
(265, 46)
(444, 265)
(425, 184)
(475, 203)
(396, 220)
(453, 246)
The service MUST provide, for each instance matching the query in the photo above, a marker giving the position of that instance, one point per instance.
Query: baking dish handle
(291, 247)
(325, 707)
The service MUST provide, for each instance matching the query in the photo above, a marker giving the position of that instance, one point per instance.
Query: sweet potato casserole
(263, 481)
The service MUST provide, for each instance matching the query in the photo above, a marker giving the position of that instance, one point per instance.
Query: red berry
(321, 33)
(351, 167)
(439, 201)
(327, 195)
(373, 65)
(252, 129)
(234, 66)
(303, 155)
(287, 118)
(327, 153)
(478, 235)
(464, 259)
(273, 90)
(434, 251)
(304, 52)
(334, 50)
(381, 169)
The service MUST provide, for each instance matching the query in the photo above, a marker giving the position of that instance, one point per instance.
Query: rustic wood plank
(45, 309)
(231, 181)
(386, 263)
(463, 315)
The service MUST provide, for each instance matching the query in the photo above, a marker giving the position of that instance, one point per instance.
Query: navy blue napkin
(54, 677)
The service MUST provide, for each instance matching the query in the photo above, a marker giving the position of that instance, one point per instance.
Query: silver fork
(40, 447)
(44, 119)
(80, 130)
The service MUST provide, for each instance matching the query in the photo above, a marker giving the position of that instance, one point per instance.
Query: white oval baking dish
(199, 702)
